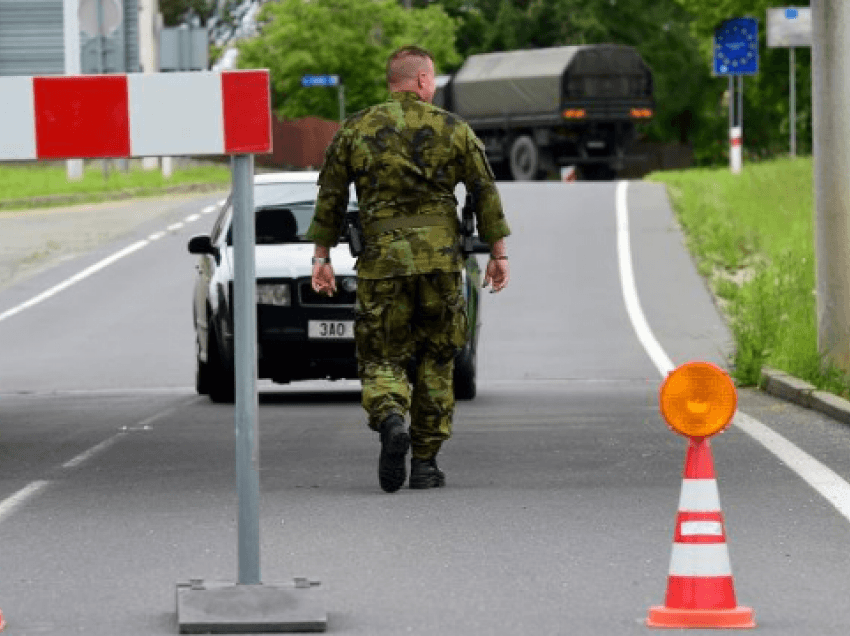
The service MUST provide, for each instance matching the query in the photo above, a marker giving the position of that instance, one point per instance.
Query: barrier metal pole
(731, 122)
(245, 366)
(792, 115)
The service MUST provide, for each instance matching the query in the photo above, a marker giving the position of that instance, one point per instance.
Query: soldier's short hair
(406, 62)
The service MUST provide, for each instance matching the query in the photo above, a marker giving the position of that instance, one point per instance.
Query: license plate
(331, 329)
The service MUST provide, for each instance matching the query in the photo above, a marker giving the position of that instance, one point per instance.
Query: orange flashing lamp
(698, 399)
(575, 113)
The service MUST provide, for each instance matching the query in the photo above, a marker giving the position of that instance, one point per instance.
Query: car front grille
(309, 298)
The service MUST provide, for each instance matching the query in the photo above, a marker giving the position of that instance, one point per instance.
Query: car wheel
(202, 375)
(464, 376)
(221, 383)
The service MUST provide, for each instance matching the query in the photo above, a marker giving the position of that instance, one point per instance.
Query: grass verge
(752, 238)
(45, 184)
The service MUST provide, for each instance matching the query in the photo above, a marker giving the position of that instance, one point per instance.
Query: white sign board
(789, 27)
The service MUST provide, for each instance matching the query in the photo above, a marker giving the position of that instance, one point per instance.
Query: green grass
(752, 237)
(24, 181)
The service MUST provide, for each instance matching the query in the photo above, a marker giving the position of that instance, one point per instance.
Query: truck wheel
(524, 159)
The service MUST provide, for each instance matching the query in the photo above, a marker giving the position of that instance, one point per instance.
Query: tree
(348, 38)
(177, 12)
(659, 29)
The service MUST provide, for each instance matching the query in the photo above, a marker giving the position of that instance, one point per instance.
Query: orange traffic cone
(700, 588)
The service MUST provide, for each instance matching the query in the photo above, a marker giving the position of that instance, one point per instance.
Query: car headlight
(277, 294)
(349, 284)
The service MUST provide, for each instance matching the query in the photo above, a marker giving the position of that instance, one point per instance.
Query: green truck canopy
(538, 81)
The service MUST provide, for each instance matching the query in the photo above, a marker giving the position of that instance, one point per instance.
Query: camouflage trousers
(397, 319)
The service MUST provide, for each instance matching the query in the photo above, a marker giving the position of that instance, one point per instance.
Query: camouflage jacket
(405, 157)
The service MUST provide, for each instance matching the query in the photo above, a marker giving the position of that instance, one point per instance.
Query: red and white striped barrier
(736, 149)
(135, 115)
(700, 588)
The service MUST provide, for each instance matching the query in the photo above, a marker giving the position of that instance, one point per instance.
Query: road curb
(787, 387)
(88, 197)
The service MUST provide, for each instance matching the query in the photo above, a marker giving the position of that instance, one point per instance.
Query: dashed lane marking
(94, 450)
(10, 504)
(99, 266)
(76, 278)
(15, 501)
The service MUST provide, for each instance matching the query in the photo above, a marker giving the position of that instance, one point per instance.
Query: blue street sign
(736, 47)
(319, 80)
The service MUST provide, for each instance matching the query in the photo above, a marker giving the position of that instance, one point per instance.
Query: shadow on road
(309, 397)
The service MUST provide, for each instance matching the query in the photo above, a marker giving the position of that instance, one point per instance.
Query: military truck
(540, 109)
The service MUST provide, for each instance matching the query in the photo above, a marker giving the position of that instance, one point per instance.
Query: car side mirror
(202, 245)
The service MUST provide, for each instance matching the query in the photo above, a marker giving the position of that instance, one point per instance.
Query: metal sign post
(736, 53)
(790, 27)
(245, 367)
(249, 606)
(308, 81)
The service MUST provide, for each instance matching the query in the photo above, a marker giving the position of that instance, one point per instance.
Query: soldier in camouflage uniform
(405, 157)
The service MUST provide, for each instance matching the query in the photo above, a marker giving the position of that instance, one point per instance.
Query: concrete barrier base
(219, 607)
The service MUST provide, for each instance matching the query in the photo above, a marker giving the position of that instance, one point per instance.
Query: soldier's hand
(324, 281)
(497, 274)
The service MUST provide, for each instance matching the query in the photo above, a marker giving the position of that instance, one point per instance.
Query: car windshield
(284, 212)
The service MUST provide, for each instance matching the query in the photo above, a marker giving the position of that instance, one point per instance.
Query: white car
(301, 335)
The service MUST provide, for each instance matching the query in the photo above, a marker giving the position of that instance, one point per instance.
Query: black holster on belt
(355, 232)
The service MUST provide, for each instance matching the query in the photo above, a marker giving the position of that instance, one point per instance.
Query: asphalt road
(117, 482)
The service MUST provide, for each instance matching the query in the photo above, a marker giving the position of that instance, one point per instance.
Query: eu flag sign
(736, 47)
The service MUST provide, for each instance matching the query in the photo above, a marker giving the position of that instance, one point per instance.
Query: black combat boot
(395, 441)
(425, 474)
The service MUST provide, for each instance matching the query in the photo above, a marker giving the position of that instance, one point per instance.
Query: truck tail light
(575, 113)
(641, 113)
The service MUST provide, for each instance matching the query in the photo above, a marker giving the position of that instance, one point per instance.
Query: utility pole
(830, 86)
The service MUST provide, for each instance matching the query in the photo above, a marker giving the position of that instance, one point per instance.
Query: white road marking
(825, 481)
(101, 264)
(94, 450)
(209, 209)
(76, 278)
(13, 502)
(820, 477)
(627, 282)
